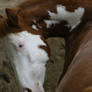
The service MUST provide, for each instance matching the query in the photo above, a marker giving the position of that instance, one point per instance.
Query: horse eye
(20, 45)
(27, 89)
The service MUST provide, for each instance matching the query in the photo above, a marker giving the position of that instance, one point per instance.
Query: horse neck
(76, 40)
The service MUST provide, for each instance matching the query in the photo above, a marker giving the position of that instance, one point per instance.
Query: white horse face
(28, 58)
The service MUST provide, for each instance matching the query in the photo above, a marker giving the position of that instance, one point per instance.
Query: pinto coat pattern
(28, 24)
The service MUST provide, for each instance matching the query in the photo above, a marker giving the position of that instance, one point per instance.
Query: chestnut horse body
(78, 74)
(52, 18)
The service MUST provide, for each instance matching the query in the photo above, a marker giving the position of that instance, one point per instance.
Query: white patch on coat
(29, 61)
(34, 27)
(50, 22)
(73, 18)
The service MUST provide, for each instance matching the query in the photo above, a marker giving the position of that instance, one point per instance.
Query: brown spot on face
(46, 48)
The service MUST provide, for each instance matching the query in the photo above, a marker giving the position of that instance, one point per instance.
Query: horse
(36, 20)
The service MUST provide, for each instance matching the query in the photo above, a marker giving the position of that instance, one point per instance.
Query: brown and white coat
(34, 19)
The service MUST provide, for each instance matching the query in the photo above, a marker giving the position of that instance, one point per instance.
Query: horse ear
(12, 17)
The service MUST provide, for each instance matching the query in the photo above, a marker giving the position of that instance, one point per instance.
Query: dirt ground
(8, 79)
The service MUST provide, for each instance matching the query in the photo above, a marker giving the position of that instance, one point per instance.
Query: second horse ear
(12, 18)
